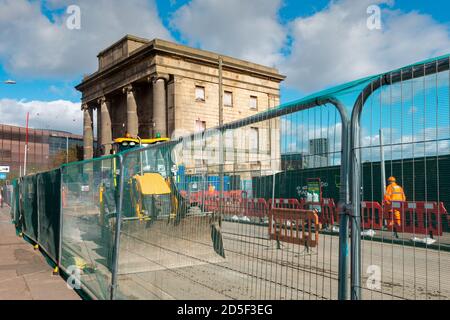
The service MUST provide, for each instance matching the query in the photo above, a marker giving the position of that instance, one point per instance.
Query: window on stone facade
(253, 102)
(254, 139)
(228, 99)
(200, 126)
(199, 93)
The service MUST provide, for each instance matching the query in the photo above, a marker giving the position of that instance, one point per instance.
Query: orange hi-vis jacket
(394, 193)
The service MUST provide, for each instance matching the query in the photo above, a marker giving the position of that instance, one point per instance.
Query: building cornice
(163, 47)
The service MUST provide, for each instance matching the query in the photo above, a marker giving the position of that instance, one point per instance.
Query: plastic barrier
(328, 213)
(371, 215)
(285, 203)
(256, 207)
(211, 202)
(297, 226)
(418, 217)
(231, 206)
(238, 194)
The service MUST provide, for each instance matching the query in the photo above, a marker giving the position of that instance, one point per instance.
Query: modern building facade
(43, 146)
(146, 88)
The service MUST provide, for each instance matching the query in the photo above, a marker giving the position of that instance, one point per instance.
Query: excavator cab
(129, 142)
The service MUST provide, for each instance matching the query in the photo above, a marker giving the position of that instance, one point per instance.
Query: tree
(74, 153)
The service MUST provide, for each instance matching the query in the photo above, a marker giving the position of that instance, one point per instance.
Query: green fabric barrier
(49, 199)
(28, 194)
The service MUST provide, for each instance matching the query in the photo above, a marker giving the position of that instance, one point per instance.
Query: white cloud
(56, 115)
(335, 45)
(33, 46)
(244, 29)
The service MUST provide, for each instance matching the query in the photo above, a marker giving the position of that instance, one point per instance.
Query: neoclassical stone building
(145, 87)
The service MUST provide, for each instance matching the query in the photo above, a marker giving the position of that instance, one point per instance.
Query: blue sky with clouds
(316, 43)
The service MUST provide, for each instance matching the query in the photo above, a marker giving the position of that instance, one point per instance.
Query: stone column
(105, 139)
(132, 118)
(88, 136)
(99, 126)
(160, 105)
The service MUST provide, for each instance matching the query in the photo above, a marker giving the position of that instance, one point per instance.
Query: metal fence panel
(88, 222)
(402, 130)
(237, 221)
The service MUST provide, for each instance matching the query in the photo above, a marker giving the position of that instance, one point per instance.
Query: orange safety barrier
(211, 202)
(285, 203)
(237, 194)
(297, 226)
(231, 206)
(371, 215)
(255, 207)
(329, 210)
(417, 217)
(326, 210)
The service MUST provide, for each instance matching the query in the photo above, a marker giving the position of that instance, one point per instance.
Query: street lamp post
(11, 82)
(26, 147)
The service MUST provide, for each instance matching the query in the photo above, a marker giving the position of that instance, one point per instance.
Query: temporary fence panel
(15, 202)
(29, 207)
(401, 128)
(258, 208)
(215, 242)
(88, 199)
(49, 212)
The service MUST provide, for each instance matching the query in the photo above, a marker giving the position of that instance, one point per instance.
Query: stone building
(145, 87)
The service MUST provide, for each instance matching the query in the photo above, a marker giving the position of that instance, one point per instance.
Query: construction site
(339, 195)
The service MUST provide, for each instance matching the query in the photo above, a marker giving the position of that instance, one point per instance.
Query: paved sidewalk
(24, 273)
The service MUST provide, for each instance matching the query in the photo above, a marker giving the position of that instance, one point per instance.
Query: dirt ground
(157, 263)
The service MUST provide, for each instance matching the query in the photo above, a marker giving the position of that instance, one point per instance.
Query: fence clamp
(345, 209)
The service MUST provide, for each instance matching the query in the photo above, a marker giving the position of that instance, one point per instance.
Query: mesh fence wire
(215, 233)
(88, 222)
(405, 247)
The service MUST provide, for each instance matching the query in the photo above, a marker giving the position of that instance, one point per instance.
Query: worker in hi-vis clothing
(394, 192)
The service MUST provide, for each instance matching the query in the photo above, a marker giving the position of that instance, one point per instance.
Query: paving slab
(24, 272)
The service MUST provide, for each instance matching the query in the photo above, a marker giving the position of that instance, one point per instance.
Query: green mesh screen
(49, 199)
(28, 197)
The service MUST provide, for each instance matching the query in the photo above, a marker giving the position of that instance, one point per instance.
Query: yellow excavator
(152, 199)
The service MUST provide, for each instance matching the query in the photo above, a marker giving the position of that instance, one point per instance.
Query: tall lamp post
(9, 82)
(26, 147)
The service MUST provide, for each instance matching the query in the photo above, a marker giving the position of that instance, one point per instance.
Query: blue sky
(316, 43)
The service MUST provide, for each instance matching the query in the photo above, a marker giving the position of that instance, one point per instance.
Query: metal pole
(220, 92)
(67, 149)
(115, 257)
(344, 199)
(26, 148)
(221, 138)
(356, 217)
(382, 166)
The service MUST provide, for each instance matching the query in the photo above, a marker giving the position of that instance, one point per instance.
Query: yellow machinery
(129, 142)
(154, 200)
